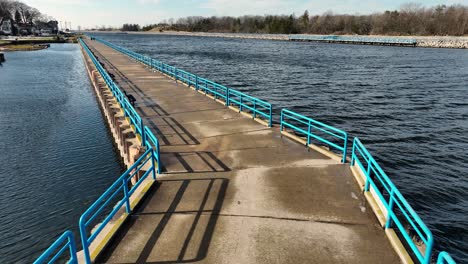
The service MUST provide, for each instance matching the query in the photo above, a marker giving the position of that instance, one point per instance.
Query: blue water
(56, 153)
(409, 106)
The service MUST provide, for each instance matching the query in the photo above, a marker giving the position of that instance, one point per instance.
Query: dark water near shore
(409, 106)
(56, 153)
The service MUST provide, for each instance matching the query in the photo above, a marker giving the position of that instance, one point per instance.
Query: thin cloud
(244, 7)
(144, 2)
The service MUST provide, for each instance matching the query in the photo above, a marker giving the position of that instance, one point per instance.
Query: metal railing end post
(126, 196)
(353, 155)
(345, 148)
(143, 133)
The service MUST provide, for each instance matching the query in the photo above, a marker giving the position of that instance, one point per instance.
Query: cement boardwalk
(235, 191)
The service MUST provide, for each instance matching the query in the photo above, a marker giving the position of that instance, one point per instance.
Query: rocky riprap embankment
(427, 42)
(442, 42)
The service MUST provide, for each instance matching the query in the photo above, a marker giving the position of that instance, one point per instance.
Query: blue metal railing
(398, 210)
(218, 91)
(147, 137)
(59, 247)
(309, 127)
(445, 258)
(244, 102)
(256, 106)
(120, 186)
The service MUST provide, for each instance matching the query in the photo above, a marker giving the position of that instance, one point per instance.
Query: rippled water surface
(409, 106)
(55, 150)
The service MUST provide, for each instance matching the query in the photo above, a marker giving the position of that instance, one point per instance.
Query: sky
(92, 13)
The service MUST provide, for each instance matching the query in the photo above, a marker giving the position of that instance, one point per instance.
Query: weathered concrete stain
(234, 191)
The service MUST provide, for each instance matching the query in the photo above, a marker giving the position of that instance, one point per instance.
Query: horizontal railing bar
(312, 127)
(106, 220)
(135, 187)
(103, 205)
(136, 170)
(68, 241)
(314, 121)
(250, 108)
(327, 142)
(237, 93)
(295, 128)
(445, 258)
(59, 253)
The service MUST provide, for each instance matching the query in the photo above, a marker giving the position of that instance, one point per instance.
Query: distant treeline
(131, 27)
(410, 19)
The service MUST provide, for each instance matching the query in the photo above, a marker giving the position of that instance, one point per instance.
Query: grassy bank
(22, 47)
(33, 43)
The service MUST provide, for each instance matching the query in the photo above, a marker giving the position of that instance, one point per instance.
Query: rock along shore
(421, 41)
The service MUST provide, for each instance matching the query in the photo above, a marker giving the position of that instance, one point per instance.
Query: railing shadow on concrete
(114, 70)
(253, 107)
(199, 200)
(149, 109)
(193, 162)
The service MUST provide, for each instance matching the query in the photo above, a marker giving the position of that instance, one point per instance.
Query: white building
(6, 26)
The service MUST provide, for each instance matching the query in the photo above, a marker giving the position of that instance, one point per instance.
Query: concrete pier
(234, 190)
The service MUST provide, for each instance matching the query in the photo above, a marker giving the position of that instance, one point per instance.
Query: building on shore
(6, 26)
(10, 28)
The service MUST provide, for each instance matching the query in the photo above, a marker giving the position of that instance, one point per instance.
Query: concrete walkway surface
(235, 191)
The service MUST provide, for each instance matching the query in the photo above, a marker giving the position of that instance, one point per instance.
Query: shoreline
(452, 42)
(23, 47)
(32, 43)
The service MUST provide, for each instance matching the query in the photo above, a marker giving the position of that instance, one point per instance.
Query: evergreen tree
(18, 18)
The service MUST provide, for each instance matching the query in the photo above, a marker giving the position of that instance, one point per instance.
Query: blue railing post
(429, 246)
(153, 164)
(345, 150)
(228, 92)
(353, 153)
(255, 109)
(196, 83)
(270, 121)
(84, 240)
(309, 128)
(143, 133)
(65, 240)
(390, 209)
(158, 157)
(366, 188)
(281, 120)
(240, 106)
(126, 197)
(71, 240)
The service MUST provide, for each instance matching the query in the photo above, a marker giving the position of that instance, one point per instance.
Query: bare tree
(410, 19)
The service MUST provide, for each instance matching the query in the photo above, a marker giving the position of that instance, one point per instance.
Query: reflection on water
(56, 153)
